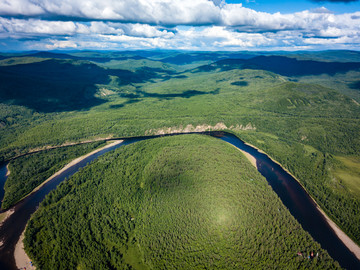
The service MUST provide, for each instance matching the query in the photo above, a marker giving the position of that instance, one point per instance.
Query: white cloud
(20, 7)
(171, 12)
(39, 27)
(60, 44)
(144, 11)
(143, 30)
(321, 10)
(211, 24)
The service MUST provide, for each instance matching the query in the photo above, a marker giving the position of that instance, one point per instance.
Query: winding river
(294, 197)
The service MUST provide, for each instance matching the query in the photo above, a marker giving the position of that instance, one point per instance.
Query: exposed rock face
(198, 128)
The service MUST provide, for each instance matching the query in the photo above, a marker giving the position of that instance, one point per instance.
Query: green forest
(28, 172)
(301, 108)
(183, 202)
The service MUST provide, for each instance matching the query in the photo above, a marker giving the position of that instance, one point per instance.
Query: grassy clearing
(348, 173)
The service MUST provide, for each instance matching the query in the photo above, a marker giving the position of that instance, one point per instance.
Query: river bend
(294, 197)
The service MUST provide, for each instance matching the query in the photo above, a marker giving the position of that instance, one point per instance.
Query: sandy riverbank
(247, 155)
(72, 163)
(4, 216)
(7, 170)
(348, 242)
(351, 245)
(250, 158)
(22, 260)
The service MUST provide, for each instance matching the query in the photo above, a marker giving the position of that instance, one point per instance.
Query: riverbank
(7, 170)
(22, 260)
(49, 147)
(247, 155)
(7, 214)
(4, 216)
(72, 163)
(347, 241)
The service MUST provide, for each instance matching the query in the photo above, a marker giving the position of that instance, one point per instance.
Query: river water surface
(294, 197)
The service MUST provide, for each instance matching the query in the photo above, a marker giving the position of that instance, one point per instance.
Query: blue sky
(296, 6)
(179, 25)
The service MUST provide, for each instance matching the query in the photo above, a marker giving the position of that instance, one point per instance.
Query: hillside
(184, 202)
(301, 108)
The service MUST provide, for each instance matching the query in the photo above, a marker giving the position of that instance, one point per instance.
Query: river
(294, 197)
(3, 177)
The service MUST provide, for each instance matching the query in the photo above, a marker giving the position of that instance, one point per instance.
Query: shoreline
(70, 164)
(49, 147)
(8, 171)
(4, 216)
(347, 241)
(247, 155)
(22, 260)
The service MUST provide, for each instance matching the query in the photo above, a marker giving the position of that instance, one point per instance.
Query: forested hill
(283, 65)
(302, 108)
(183, 202)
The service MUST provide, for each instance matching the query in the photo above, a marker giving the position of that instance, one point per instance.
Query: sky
(197, 25)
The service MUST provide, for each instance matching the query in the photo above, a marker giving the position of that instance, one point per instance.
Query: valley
(301, 108)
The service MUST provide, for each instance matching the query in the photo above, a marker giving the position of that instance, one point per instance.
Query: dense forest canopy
(302, 108)
(184, 202)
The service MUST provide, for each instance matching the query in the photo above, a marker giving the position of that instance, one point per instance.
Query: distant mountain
(326, 56)
(54, 55)
(282, 65)
(188, 58)
(59, 85)
(89, 56)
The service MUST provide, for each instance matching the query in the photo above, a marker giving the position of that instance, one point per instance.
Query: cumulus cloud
(142, 11)
(39, 27)
(171, 24)
(20, 7)
(161, 12)
(36, 27)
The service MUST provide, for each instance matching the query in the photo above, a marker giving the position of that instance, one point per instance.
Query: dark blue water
(299, 203)
(288, 189)
(3, 178)
(15, 224)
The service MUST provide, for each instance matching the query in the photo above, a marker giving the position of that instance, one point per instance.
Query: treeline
(184, 202)
(28, 172)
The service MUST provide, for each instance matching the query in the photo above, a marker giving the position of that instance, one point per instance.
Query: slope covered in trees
(30, 171)
(305, 118)
(184, 202)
